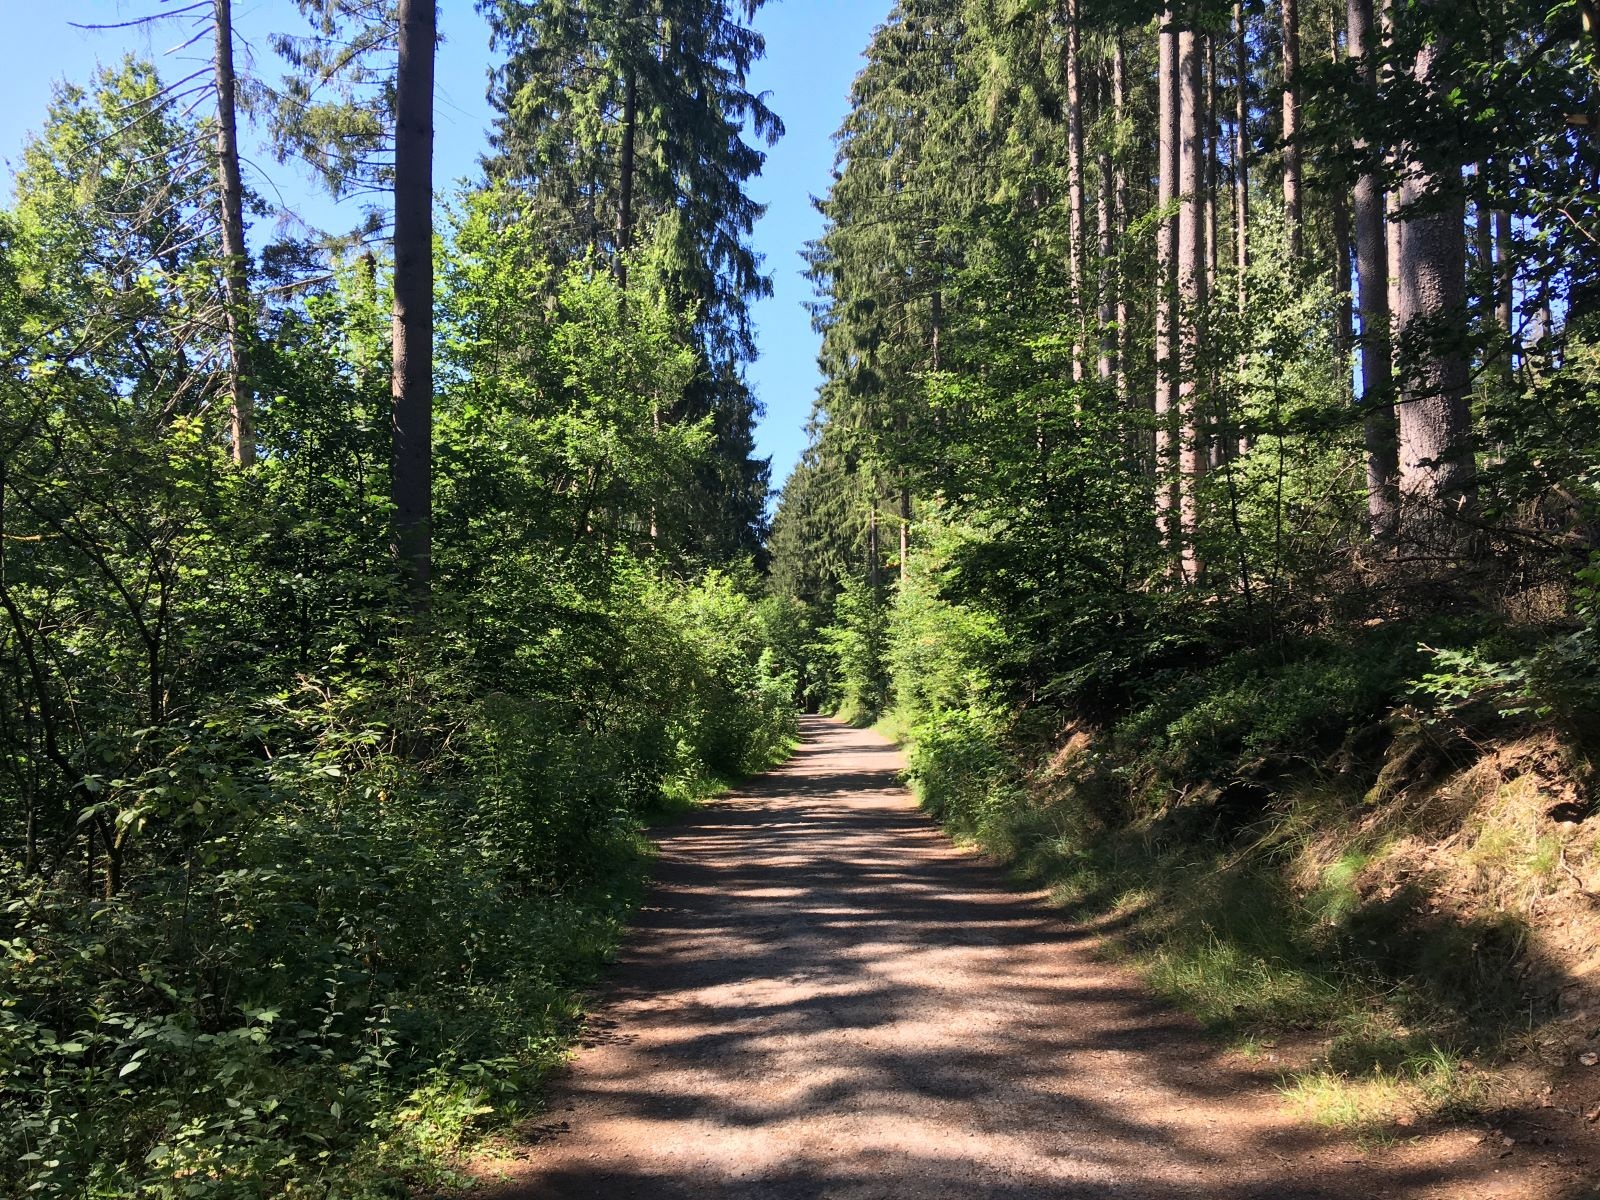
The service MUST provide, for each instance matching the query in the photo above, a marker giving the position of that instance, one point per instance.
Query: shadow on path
(823, 997)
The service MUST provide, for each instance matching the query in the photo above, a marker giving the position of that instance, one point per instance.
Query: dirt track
(825, 998)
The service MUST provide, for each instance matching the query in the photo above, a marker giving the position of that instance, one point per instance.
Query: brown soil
(825, 998)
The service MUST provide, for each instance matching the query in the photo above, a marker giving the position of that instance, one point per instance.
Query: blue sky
(813, 52)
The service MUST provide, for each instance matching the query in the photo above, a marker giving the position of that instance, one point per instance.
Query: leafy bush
(369, 947)
(298, 878)
(1256, 706)
(1555, 683)
(857, 641)
(961, 769)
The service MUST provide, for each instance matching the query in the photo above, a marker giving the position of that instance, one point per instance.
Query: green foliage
(298, 884)
(1279, 707)
(961, 770)
(565, 119)
(941, 656)
(1552, 684)
(857, 642)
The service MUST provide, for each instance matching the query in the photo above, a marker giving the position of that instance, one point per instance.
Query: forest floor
(824, 997)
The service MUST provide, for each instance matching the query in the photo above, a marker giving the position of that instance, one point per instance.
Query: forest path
(824, 997)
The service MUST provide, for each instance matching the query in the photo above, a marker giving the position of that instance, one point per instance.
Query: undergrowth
(373, 954)
(1295, 845)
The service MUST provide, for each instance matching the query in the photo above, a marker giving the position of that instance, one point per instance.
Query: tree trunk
(630, 120)
(873, 579)
(1075, 223)
(1241, 180)
(1394, 235)
(235, 256)
(411, 487)
(1344, 318)
(1372, 274)
(1289, 10)
(1104, 216)
(1120, 197)
(1505, 279)
(1217, 443)
(905, 532)
(1241, 153)
(1437, 475)
(1482, 258)
(1213, 127)
(1191, 289)
(1166, 399)
(1339, 218)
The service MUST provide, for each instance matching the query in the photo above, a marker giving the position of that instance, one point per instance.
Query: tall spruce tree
(624, 119)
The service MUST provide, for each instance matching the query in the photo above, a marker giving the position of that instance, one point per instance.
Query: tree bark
(905, 532)
(1105, 208)
(1289, 11)
(1241, 152)
(1339, 219)
(630, 120)
(873, 580)
(235, 255)
(1505, 279)
(1075, 223)
(1482, 259)
(1437, 473)
(1372, 276)
(1213, 128)
(411, 486)
(1120, 196)
(1191, 290)
(1166, 399)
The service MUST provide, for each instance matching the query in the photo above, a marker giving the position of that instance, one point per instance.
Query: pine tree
(620, 118)
(411, 479)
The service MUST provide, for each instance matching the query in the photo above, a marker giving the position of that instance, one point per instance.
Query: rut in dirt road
(825, 998)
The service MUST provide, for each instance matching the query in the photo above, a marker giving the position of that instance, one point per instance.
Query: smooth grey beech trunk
(411, 482)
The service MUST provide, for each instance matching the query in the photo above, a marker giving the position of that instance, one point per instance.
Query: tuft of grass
(684, 795)
(1359, 1105)
(1336, 896)
(1229, 987)
(687, 792)
(1429, 1082)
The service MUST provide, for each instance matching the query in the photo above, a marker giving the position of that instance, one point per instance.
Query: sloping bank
(1366, 855)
